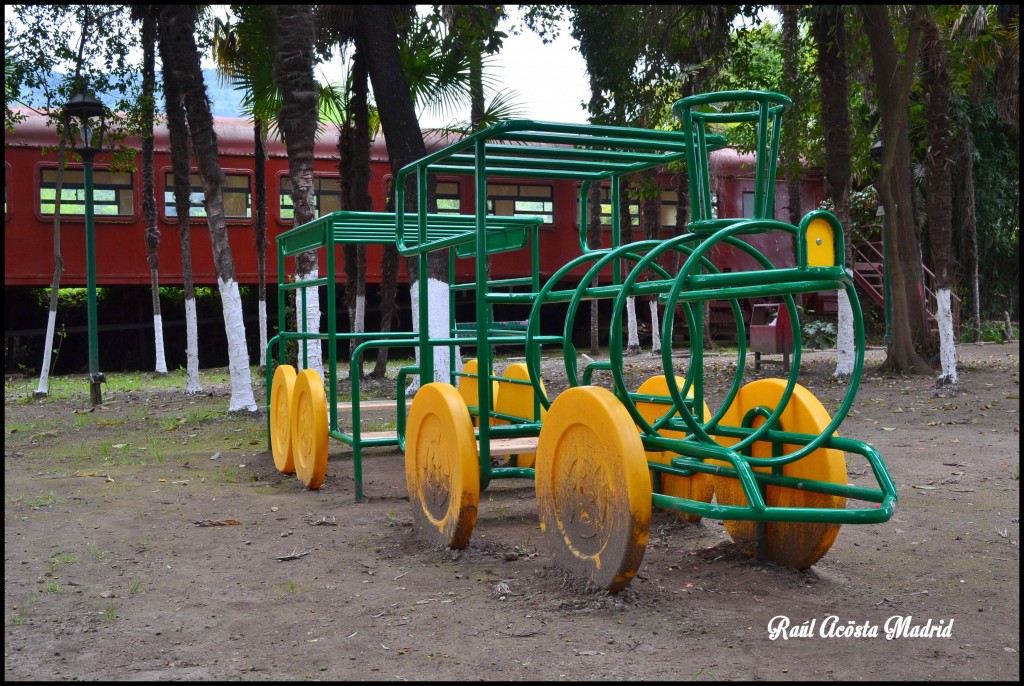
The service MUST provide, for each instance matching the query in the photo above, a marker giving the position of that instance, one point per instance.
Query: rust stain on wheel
(790, 544)
(309, 429)
(442, 471)
(282, 391)
(593, 487)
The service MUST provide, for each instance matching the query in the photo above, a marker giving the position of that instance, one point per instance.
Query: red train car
(30, 162)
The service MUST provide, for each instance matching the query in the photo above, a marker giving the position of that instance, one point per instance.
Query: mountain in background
(225, 101)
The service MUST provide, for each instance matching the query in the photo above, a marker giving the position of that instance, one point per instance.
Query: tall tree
(938, 162)
(830, 37)
(378, 36)
(147, 14)
(180, 143)
(893, 77)
(293, 71)
(244, 53)
(182, 59)
(356, 160)
(790, 143)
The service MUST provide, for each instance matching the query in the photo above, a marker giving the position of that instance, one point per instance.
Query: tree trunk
(43, 389)
(177, 129)
(293, 72)
(594, 236)
(966, 218)
(178, 25)
(152, 234)
(379, 38)
(938, 160)
(260, 236)
(791, 134)
(893, 81)
(830, 36)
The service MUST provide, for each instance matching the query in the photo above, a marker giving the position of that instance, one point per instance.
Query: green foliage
(997, 203)
(818, 335)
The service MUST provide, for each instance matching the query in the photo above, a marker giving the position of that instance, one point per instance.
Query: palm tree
(147, 14)
(181, 59)
(297, 118)
(177, 130)
(243, 52)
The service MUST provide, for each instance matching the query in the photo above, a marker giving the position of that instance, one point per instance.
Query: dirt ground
(142, 541)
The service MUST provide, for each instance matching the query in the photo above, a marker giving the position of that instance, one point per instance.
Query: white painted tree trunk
(44, 373)
(655, 325)
(238, 355)
(158, 331)
(633, 337)
(947, 344)
(845, 353)
(263, 333)
(315, 355)
(192, 385)
(437, 327)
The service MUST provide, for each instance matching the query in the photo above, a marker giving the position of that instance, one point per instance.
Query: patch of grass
(14, 427)
(110, 612)
(98, 553)
(135, 587)
(43, 501)
(287, 587)
(17, 618)
(53, 587)
(82, 420)
(200, 415)
(381, 426)
(61, 559)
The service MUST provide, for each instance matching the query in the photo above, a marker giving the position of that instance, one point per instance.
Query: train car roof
(235, 136)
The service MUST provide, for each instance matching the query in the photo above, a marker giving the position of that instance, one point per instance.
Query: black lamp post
(876, 154)
(85, 122)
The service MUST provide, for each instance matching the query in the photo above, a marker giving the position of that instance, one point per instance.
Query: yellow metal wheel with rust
(695, 487)
(517, 400)
(593, 487)
(442, 471)
(469, 387)
(309, 429)
(790, 544)
(281, 393)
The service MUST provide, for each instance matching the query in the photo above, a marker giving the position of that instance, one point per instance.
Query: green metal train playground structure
(769, 461)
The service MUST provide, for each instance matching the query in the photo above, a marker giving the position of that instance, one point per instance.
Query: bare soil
(144, 540)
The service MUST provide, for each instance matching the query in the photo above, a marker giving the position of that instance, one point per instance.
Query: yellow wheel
(791, 544)
(442, 472)
(469, 387)
(593, 487)
(282, 391)
(696, 487)
(309, 429)
(517, 400)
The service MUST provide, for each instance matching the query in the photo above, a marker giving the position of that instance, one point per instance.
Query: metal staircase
(869, 275)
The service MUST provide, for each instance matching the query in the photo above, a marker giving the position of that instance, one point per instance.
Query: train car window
(326, 196)
(113, 193)
(237, 197)
(606, 208)
(669, 204)
(511, 199)
(448, 200)
(748, 204)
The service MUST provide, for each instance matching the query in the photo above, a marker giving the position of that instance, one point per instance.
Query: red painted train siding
(120, 245)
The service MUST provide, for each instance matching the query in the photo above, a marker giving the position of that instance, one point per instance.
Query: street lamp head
(876, 150)
(85, 119)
